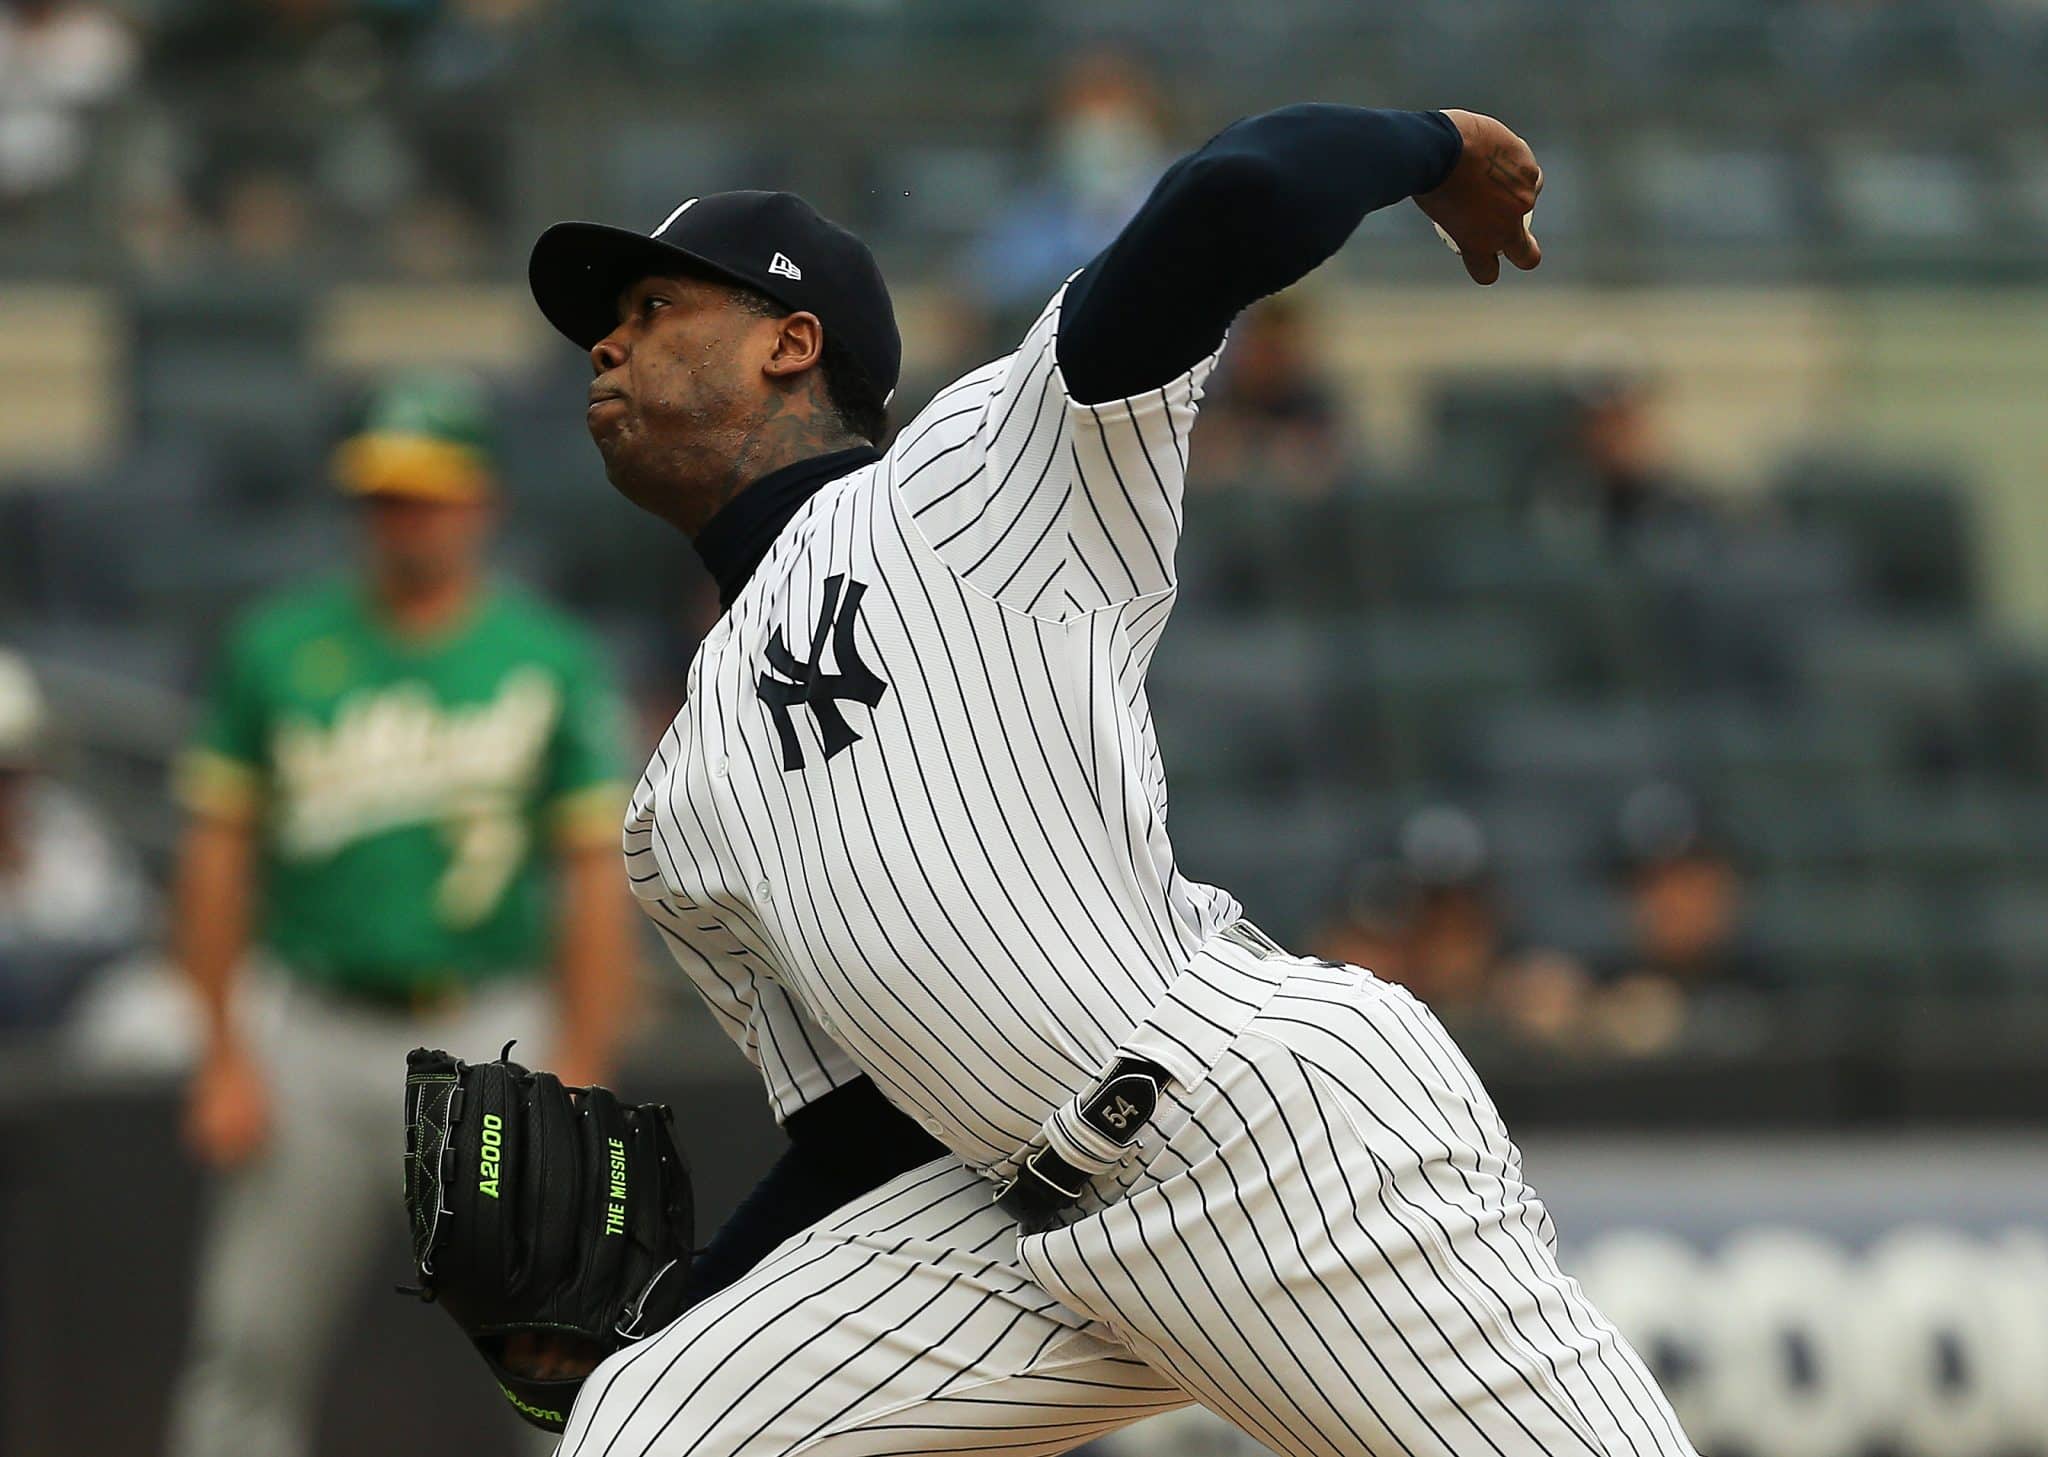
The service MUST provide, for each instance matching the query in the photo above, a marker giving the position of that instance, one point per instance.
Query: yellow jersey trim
(589, 816)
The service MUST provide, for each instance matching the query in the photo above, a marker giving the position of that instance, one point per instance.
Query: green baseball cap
(425, 435)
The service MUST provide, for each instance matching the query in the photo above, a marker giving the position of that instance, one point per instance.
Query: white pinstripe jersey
(964, 888)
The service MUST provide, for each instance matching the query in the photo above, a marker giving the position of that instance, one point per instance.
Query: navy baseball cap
(773, 242)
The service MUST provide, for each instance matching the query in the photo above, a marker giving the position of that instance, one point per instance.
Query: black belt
(1118, 1108)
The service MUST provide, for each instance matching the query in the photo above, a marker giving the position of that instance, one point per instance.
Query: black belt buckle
(1046, 1186)
(1118, 1108)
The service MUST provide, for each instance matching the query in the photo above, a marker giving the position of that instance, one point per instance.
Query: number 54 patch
(1122, 1103)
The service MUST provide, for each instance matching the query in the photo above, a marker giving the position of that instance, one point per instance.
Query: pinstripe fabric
(900, 1324)
(1336, 1251)
(960, 885)
(975, 899)
(1046, 504)
(1327, 1240)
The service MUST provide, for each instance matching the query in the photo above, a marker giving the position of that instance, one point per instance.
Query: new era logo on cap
(780, 264)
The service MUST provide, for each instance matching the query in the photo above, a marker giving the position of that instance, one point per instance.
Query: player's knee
(639, 1403)
(623, 1407)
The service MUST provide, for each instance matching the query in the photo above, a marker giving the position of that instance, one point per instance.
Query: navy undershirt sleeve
(1263, 203)
(841, 1145)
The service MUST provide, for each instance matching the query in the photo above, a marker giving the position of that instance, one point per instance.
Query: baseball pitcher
(1071, 1140)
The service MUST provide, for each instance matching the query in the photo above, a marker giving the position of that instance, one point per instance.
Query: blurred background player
(403, 791)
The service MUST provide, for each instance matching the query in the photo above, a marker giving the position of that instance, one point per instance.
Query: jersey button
(764, 891)
(719, 766)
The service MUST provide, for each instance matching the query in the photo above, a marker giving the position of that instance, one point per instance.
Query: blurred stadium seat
(1908, 526)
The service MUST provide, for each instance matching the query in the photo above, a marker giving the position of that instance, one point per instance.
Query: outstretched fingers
(1523, 250)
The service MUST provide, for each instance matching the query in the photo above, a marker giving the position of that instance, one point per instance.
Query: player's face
(677, 385)
(416, 544)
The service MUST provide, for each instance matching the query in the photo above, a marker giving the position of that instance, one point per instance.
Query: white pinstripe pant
(1330, 1244)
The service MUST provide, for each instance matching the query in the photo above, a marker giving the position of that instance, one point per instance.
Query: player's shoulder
(285, 619)
(951, 415)
(536, 628)
(958, 407)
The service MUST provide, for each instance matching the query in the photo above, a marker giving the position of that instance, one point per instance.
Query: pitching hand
(1484, 204)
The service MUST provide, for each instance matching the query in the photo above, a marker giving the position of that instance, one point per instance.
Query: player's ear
(799, 345)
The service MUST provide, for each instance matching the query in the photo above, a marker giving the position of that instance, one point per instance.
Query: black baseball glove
(554, 1224)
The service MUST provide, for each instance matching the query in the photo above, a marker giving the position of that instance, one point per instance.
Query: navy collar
(738, 536)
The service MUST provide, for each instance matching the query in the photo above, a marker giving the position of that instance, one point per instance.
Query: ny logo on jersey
(808, 682)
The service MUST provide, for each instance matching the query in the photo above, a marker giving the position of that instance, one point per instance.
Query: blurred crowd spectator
(1102, 144)
(60, 62)
(1273, 420)
(1427, 916)
(1613, 482)
(1430, 916)
(71, 895)
(1684, 896)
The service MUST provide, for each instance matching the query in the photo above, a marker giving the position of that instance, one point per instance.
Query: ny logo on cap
(780, 264)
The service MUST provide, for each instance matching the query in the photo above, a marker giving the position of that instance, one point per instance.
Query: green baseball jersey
(404, 789)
